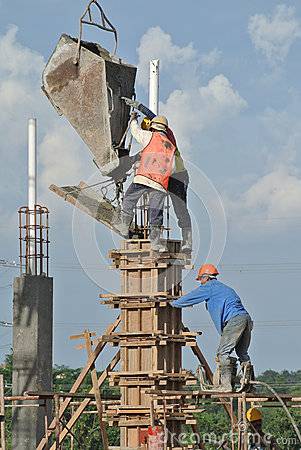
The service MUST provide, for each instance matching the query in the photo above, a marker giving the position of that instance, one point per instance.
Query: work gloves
(130, 102)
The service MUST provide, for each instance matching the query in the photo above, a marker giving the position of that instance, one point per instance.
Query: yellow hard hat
(145, 124)
(253, 414)
(159, 123)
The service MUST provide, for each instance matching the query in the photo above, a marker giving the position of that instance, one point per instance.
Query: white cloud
(191, 111)
(211, 58)
(156, 44)
(15, 59)
(194, 106)
(61, 154)
(274, 35)
(274, 193)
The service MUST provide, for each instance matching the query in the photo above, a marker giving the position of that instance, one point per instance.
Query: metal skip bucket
(88, 95)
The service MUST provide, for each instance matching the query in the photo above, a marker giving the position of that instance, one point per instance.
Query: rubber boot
(154, 237)
(122, 223)
(186, 240)
(248, 370)
(226, 373)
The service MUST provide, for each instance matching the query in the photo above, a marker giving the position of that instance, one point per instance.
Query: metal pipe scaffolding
(32, 188)
(154, 85)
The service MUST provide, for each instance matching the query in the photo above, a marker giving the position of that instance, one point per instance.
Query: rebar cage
(34, 240)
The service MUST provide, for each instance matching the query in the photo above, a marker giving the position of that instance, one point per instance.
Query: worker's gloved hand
(130, 102)
(134, 115)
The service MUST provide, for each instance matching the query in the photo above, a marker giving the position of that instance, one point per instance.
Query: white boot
(122, 223)
(186, 240)
(154, 237)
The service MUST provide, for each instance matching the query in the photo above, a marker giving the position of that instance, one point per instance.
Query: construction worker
(258, 439)
(178, 182)
(156, 164)
(230, 318)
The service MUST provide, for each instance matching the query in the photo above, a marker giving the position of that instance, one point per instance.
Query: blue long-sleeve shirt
(222, 302)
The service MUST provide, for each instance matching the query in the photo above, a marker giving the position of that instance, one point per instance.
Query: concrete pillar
(32, 354)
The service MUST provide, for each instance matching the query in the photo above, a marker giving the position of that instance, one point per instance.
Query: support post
(32, 356)
(154, 85)
(96, 390)
(32, 189)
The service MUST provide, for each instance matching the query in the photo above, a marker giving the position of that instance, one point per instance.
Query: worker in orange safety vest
(178, 182)
(156, 165)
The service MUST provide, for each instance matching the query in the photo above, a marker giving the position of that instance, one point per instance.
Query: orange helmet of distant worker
(207, 269)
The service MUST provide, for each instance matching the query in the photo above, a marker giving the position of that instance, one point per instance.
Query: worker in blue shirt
(230, 318)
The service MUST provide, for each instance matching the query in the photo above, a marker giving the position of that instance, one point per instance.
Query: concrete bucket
(89, 95)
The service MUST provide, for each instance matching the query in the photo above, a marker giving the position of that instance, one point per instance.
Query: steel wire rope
(266, 385)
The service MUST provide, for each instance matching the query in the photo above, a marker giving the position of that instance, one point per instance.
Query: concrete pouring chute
(88, 93)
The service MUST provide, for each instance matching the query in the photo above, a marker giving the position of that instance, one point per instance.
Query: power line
(6, 263)
(5, 324)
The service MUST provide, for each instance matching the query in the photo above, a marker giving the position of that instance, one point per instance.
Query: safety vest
(157, 159)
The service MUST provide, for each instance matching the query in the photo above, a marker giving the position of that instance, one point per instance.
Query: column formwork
(150, 339)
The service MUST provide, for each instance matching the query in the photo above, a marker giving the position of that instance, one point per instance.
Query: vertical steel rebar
(46, 426)
(168, 217)
(244, 421)
(34, 236)
(145, 218)
(239, 447)
(20, 240)
(27, 265)
(232, 424)
(35, 225)
(47, 242)
(2, 414)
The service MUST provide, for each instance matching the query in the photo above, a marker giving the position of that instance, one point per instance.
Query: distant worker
(258, 440)
(230, 318)
(178, 181)
(156, 164)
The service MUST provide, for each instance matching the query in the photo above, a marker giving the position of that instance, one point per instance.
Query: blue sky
(230, 85)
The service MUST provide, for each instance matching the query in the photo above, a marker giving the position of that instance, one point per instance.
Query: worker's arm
(198, 295)
(143, 137)
(142, 108)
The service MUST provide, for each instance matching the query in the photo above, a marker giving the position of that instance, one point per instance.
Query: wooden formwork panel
(142, 274)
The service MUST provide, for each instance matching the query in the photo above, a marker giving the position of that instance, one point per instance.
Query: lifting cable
(261, 383)
(103, 23)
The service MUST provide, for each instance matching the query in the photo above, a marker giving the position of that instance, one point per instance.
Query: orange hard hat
(207, 269)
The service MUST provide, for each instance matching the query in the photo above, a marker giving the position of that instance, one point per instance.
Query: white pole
(154, 85)
(32, 186)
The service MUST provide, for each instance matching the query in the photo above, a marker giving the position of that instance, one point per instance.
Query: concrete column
(32, 354)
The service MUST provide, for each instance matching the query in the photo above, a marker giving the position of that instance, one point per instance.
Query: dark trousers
(236, 335)
(177, 188)
(156, 202)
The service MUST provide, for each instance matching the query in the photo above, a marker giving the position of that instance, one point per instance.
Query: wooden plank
(96, 392)
(135, 295)
(72, 421)
(81, 336)
(80, 379)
